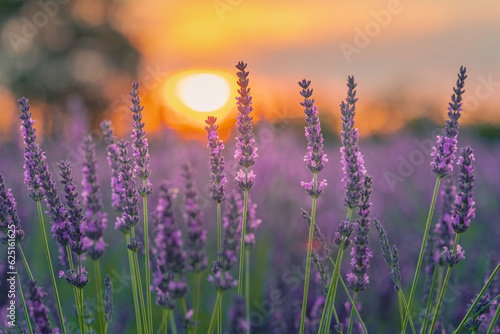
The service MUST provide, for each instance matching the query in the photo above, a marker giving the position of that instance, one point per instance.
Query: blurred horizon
(76, 59)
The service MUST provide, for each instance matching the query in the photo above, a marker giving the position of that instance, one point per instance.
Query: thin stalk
(481, 293)
(75, 291)
(82, 310)
(247, 289)
(164, 322)
(219, 324)
(243, 231)
(330, 299)
(182, 304)
(23, 302)
(308, 258)
(173, 326)
(334, 293)
(25, 262)
(141, 296)
(219, 247)
(196, 295)
(51, 269)
(134, 288)
(99, 291)
(423, 329)
(443, 289)
(494, 320)
(422, 248)
(351, 321)
(146, 260)
(211, 327)
(400, 312)
(405, 305)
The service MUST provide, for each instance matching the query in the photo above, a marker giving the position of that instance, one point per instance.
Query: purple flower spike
(38, 311)
(463, 207)
(449, 258)
(140, 142)
(108, 298)
(246, 152)
(253, 223)
(196, 234)
(75, 278)
(114, 162)
(8, 215)
(443, 153)
(352, 159)
(77, 243)
(215, 147)
(443, 230)
(130, 214)
(95, 221)
(361, 252)
(390, 255)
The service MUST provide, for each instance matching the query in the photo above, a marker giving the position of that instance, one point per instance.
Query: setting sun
(203, 92)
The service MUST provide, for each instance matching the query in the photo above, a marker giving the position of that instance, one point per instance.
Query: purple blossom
(237, 315)
(38, 311)
(482, 307)
(130, 215)
(196, 234)
(390, 255)
(344, 231)
(75, 278)
(443, 154)
(352, 159)
(8, 215)
(215, 147)
(140, 143)
(114, 162)
(108, 298)
(361, 253)
(253, 222)
(443, 230)
(246, 152)
(95, 221)
(449, 258)
(168, 252)
(463, 208)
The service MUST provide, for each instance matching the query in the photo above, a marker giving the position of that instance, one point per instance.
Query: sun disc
(204, 92)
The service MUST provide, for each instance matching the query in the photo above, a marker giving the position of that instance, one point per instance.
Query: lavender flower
(95, 221)
(319, 237)
(168, 252)
(352, 159)
(252, 224)
(38, 311)
(481, 308)
(108, 298)
(221, 279)
(361, 252)
(239, 324)
(315, 158)
(463, 208)
(196, 234)
(130, 214)
(443, 230)
(449, 258)
(390, 255)
(140, 143)
(78, 243)
(215, 147)
(75, 278)
(10, 225)
(246, 152)
(344, 231)
(443, 153)
(114, 162)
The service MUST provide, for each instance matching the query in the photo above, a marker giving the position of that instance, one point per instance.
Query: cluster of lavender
(168, 252)
(8, 216)
(95, 221)
(215, 147)
(38, 310)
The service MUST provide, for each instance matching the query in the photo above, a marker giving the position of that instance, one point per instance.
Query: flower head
(463, 208)
(10, 225)
(352, 159)
(114, 162)
(449, 258)
(108, 298)
(215, 147)
(390, 255)
(443, 231)
(38, 311)
(130, 214)
(75, 278)
(443, 154)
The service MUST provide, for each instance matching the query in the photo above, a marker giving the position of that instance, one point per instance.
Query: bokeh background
(75, 60)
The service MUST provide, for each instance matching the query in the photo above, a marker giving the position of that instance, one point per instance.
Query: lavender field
(201, 279)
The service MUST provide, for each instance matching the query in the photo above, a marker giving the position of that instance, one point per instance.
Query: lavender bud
(449, 258)
(390, 255)
(114, 162)
(8, 215)
(38, 311)
(108, 298)
(75, 278)
(463, 207)
(215, 147)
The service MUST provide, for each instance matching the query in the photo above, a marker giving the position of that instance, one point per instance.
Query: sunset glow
(203, 92)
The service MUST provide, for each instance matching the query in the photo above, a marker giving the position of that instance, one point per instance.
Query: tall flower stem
(75, 292)
(308, 257)
(443, 289)
(351, 318)
(422, 248)
(23, 258)
(219, 247)
(51, 269)
(99, 291)
(146, 261)
(164, 322)
(242, 245)
(407, 310)
(173, 326)
(400, 311)
(139, 291)
(423, 328)
(23, 302)
(211, 326)
(80, 291)
(196, 294)
(494, 320)
(247, 288)
(134, 288)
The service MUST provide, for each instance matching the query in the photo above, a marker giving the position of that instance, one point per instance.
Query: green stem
(51, 269)
(333, 296)
(423, 329)
(134, 287)
(25, 262)
(146, 260)
(211, 327)
(99, 291)
(145, 319)
(219, 323)
(351, 321)
(196, 295)
(242, 244)
(481, 293)
(494, 320)
(75, 291)
(164, 321)
(443, 289)
(400, 312)
(23, 302)
(82, 308)
(173, 326)
(405, 305)
(308, 258)
(422, 248)
(247, 288)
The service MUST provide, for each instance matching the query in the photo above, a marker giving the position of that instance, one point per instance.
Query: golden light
(193, 95)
